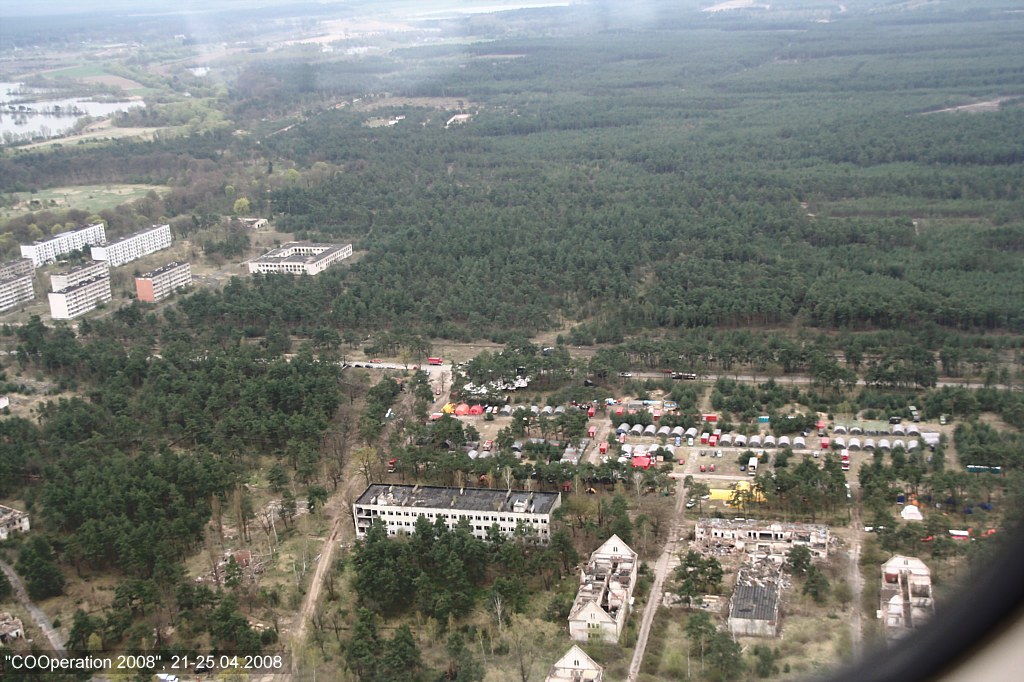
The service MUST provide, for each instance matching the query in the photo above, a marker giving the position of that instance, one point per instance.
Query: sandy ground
(101, 130)
(974, 108)
(116, 81)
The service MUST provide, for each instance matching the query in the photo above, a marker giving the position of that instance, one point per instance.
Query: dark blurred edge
(959, 631)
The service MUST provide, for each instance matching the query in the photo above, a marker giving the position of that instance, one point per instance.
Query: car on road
(703, 453)
(712, 467)
(625, 375)
(691, 503)
(703, 468)
(682, 461)
(718, 453)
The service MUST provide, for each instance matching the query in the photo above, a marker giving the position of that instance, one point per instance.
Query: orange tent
(462, 410)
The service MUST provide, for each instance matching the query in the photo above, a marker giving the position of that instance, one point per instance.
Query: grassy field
(91, 198)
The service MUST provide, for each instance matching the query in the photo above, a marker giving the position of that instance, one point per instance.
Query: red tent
(476, 409)
(462, 409)
(641, 462)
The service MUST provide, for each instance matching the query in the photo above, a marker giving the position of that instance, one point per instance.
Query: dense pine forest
(791, 191)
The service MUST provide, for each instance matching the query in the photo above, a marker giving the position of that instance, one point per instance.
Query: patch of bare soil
(116, 81)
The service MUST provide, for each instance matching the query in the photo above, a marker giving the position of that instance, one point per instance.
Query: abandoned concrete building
(906, 597)
(11, 628)
(754, 606)
(575, 666)
(399, 506)
(760, 538)
(12, 521)
(605, 595)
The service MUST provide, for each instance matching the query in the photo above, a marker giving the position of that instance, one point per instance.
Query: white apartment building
(158, 284)
(80, 298)
(16, 290)
(76, 275)
(605, 595)
(399, 506)
(46, 250)
(134, 246)
(299, 258)
(16, 268)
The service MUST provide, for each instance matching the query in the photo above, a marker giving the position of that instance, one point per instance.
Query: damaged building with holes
(760, 538)
(906, 597)
(605, 596)
(755, 606)
(12, 521)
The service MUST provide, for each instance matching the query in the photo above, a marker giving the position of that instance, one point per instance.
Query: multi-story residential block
(12, 521)
(299, 258)
(78, 274)
(134, 246)
(606, 588)
(762, 538)
(16, 290)
(158, 284)
(16, 268)
(399, 506)
(80, 298)
(46, 250)
(906, 600)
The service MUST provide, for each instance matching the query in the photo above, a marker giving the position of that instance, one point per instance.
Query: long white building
(399, 506)
(16, 283)
(63, 280)
(134, 246)
(80, 298)
(299, 258)
(12, 521)
(46, 250)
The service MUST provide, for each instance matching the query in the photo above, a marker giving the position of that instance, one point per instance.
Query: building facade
(605, 595)
(16, 268)
(47, 250)
(76, 275)
(80, 298)
(575, 666)
(762, 538)
(12, 521)
(298, 258)
(134, 246)
(399, 506)
(16, 290)
(158, 284)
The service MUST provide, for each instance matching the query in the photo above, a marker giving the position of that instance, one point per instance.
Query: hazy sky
(40, 7)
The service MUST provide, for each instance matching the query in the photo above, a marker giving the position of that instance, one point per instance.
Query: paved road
(56, 642)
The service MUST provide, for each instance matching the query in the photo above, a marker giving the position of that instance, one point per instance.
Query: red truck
(435, 361)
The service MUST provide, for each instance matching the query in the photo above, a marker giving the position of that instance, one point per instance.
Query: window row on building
(134, 246)
(160, 283)
(16, 283)
(298, 258)
(47, 250)
(399, 506)
(79, 298)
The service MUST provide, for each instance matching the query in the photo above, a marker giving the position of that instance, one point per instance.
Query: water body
(33, 113)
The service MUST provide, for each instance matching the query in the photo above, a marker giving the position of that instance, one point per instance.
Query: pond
(34, 113)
